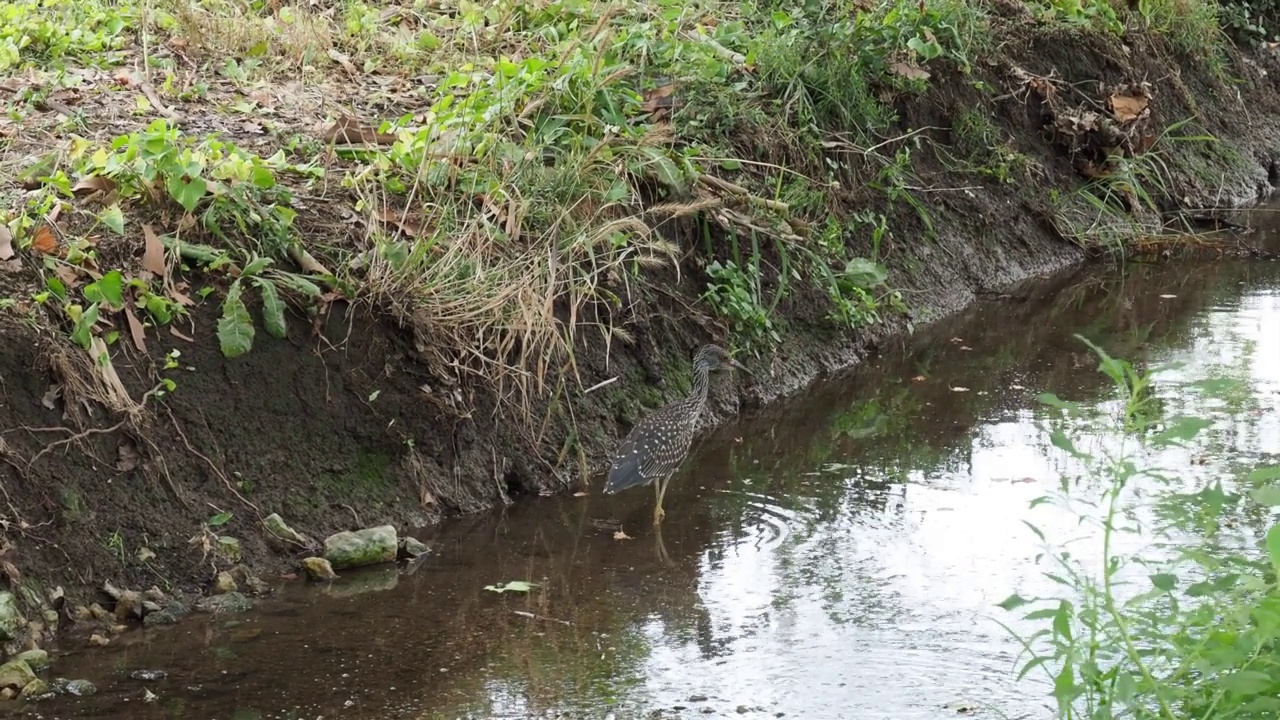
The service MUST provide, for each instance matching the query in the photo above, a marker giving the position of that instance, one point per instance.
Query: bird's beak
(740, 366)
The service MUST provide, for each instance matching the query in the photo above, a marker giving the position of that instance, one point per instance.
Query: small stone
(81, 688)
(99, 640)
(148, 675)
(16, 674)
(224, 583)
(231, 602)
(37, 660)
(743, 710)
(167, 615)
(50, 617)
(97, 612)
(154, 594)
(249, 581)
(35, 690)
(697, 698)
(708, 710)
(363, 547)
(149, 607)
(81, 613)
(10, 618)
(144, 554)
(228, 549)
(319, 569)
(8, 693)
(277, 527)
(128, 604)
(412, 547)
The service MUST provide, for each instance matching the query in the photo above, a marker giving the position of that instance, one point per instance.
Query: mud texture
(343, 425)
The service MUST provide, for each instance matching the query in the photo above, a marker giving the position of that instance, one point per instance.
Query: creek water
(840, 555)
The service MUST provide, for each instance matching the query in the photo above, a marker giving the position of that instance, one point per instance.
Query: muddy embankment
(344, 425)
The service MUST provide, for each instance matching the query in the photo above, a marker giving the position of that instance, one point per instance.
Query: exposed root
(177, 427)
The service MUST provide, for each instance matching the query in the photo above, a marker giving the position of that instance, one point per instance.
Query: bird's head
(714, 357)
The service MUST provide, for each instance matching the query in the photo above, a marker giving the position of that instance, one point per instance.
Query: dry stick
(726, 186)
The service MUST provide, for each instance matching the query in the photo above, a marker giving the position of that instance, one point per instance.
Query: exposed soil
(334, 430)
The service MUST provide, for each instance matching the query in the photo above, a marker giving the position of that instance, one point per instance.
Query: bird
(658, 444)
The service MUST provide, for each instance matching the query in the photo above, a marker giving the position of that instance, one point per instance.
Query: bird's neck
(701, 382)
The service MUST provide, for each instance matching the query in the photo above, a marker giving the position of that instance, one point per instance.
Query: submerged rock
(10, 618)
(167, 615)
(232, 602)
(249, 581)
(370, 546)
(16, 674)
(319, 569)
(37, 659)
(149, 675)
(412, 547)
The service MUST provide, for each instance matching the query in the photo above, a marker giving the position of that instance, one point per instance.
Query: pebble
(149, 675)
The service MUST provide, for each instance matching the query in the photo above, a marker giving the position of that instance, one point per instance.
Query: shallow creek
(837, 556)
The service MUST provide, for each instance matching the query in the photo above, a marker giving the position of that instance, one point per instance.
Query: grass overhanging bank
(540, 196)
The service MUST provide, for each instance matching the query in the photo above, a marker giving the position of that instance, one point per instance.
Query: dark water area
(840, 555)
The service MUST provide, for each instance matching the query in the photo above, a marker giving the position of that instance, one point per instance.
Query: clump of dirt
(113, 477)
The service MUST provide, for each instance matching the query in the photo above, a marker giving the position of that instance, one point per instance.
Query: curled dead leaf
(1127, 108)
(347, 129)
(6, 243)
(153, 254)
(909, 71)
(620, 535)
(136, 330)
(44, 241)
(92, 184)
(391, 216)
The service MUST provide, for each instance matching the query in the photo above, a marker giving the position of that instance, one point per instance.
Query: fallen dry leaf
(918, 378)
(347, 129)
(1167, 296)
(153, 255)
(909, 71)
(174, 332)
(344, 61)
(68, 276)
(957, 340)
(135, 328)
(44, 241)
(959, 389)
(1127, 108)
(6, 243)
(123, 77)
(579, 494)
(94, 183)
(620, 535)
(392, 216)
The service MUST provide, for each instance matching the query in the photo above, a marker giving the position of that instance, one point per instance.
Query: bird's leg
(660, 488)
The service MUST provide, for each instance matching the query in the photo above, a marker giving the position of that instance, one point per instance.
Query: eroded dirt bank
(345, 424)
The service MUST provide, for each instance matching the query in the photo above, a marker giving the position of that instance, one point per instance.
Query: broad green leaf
(1164, 581)
(1268, 495)
(257, 265)
(219, 519)
(1180, 429)
(109, 289)
(662, 168)
(1247, 682)
(864, 273)
(188, 191)
(235, 327)
(1062, 442)
(272, 310)
(113, 218)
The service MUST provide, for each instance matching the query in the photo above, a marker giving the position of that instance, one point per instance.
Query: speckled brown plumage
(658, 444)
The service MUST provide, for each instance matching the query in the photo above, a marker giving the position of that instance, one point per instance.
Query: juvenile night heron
(657, 445)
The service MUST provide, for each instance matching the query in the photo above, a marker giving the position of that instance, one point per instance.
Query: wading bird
(657, 445)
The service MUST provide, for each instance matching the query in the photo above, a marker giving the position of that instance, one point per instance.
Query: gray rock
(80, 688)
(168, 615)
(10, 618)
(224, 583)
(16, 674)
(37, 660)
(412, 547)
(363, 547)
(148, 675)
(231, 602)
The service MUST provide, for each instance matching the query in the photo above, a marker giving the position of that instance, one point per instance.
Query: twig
(216, 471)
(532, 616)
(726, 186)
(74, 438)
(600, 384)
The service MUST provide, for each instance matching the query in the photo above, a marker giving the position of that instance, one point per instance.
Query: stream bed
(840, 555)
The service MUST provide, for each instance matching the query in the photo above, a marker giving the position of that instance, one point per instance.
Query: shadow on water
(836, 557)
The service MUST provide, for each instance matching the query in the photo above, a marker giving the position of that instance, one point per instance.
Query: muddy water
(837, 557)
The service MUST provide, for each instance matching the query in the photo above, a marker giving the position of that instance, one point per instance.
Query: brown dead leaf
(10, 266)
(659, 98)
(344, 61)
(153, 255)
(918, 378)
(123, 77)
(1127, 108)
(391, 216)
(909, 71)
(44, 241)
(620, 535)
(174, 332)
(6, 243)
(178, 294)
(135, 328)
(68, 275)
(94, 183)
